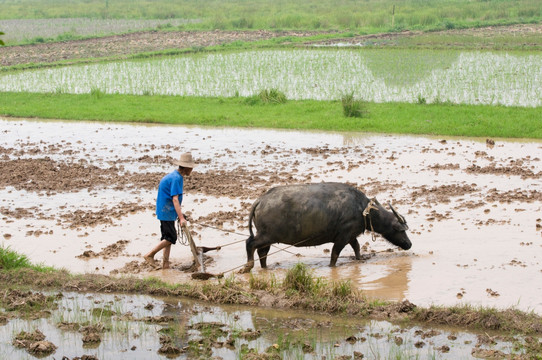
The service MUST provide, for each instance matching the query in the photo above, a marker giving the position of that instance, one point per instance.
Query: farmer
(168, 207)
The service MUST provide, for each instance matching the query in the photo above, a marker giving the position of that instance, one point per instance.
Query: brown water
(473, 208)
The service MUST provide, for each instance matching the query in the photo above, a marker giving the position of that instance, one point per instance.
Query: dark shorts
(168, 230)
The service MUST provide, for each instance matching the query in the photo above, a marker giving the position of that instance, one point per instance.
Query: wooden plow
(197, 253)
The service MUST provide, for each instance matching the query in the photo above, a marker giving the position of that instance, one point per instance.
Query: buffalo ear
(397, 226)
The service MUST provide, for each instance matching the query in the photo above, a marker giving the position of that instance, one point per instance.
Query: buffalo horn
(398, 216)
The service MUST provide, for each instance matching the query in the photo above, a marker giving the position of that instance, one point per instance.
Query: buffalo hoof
(246, 269)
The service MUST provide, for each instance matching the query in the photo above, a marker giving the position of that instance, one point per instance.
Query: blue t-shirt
(170, 185)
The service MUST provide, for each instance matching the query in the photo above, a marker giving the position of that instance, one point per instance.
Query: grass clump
(9, 259)
(97, 93)
(262, 282)
(300, 279)
(353, 107)
(267, 96)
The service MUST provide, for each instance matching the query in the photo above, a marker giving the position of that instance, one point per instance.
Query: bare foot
(149, 260)
(165, 265)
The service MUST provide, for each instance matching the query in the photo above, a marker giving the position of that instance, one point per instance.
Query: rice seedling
(490, 78)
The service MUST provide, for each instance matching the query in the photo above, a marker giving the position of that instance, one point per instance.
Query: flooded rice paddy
(383, 75)
(104, 326)
(81, 196)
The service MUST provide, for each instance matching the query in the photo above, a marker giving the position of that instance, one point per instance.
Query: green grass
(353, 107)
(11, 260)
(283, 14)
(399, 118)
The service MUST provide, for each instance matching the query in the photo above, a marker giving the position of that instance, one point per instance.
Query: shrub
(353, 107)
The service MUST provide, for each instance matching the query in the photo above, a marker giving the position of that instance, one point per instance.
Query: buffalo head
(391, 225)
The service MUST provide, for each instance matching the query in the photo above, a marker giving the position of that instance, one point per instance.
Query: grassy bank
(305, 14)
(298, 290)
(399, 118)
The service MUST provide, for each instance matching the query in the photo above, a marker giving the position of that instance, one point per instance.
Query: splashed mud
(81, 196)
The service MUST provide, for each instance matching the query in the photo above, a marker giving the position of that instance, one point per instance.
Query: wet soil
(485, 37)
(85, 201)
(129, 44)
(142, 326)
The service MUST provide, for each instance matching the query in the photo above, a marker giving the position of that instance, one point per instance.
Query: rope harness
(367, 214)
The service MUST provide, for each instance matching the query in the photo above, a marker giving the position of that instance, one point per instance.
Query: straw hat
(185, 161)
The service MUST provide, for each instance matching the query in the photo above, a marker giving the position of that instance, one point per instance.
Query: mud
(81, 196)
(485, 34)
(34, 343)
(129, 44)
(178, 328)
(121, 46)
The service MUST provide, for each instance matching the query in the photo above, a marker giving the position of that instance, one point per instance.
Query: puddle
(134, 327)
(473, 206)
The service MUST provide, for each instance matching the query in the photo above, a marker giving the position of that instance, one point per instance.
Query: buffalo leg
(262, 253)
(355, 245)
(335, 251)
(250, 256)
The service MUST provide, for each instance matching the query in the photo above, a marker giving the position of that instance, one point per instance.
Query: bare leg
(165, 261)
(150, 256)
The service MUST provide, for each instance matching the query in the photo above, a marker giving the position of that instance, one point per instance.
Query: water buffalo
(315, 214)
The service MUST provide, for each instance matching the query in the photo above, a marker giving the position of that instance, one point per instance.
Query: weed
(9, 259)
(342, 289)
(272, 96)
(96, 93)
(229, 281)
(299, 278)
(353, 107)
(258, 282)
(421, 100)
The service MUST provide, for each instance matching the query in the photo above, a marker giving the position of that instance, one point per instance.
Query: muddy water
(133, 326)
(473, 207)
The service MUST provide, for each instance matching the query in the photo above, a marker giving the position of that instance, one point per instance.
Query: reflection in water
(138, 330)
(394, 284)
(385, 278)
